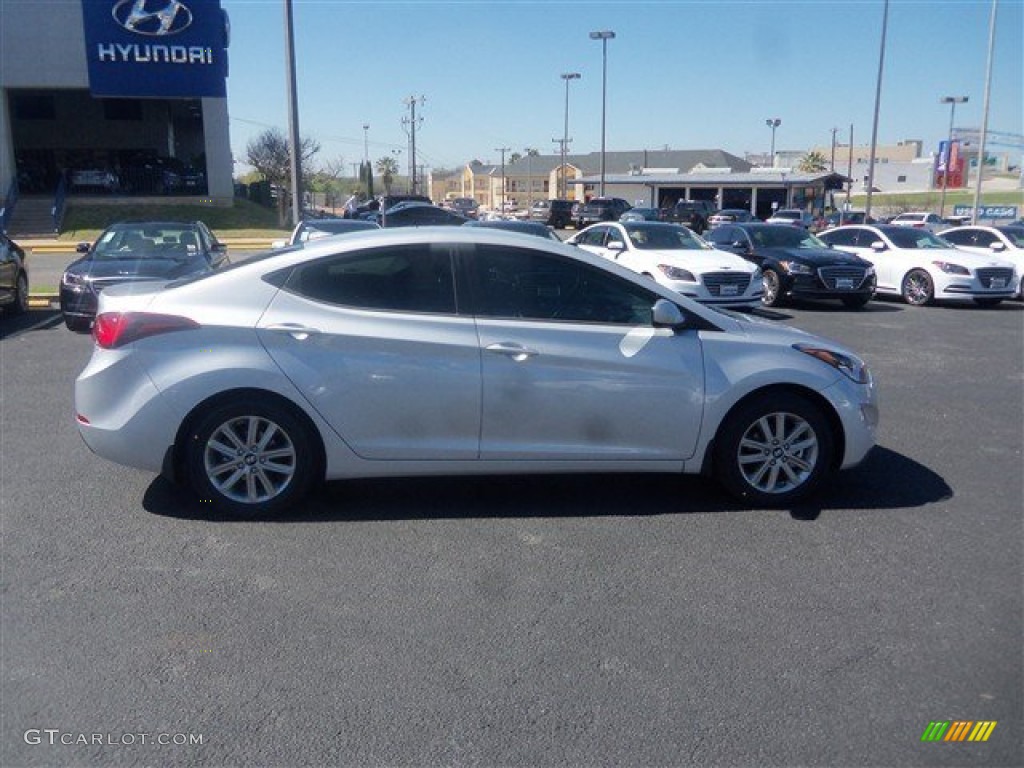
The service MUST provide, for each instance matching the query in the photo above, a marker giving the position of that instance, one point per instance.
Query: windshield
(148, 241)
(907, 237)
(1015, 235)
(784, 237)
(664, 237)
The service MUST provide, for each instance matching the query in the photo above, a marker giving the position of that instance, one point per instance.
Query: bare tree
(268, 153)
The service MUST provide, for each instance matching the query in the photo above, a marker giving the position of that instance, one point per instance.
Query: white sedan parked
(1001, 242)
(922, 268)
(449, 351)
(678, 259)
(919, 220)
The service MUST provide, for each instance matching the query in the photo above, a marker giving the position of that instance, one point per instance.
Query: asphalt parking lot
(611, 621)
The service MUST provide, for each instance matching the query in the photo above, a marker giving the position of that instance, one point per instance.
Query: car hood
(957, 256)
(702, 261)
(818, 257)
(139, 269)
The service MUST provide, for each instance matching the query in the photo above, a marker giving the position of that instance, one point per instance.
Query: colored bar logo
(959, 730)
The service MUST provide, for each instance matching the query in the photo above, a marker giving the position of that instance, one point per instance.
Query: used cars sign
(156, 48)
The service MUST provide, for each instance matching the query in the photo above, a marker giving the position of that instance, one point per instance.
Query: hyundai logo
(137, 16)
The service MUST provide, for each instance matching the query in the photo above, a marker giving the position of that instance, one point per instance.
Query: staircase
(32, 218)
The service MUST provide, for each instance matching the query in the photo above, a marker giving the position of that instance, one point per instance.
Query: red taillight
(115, 329)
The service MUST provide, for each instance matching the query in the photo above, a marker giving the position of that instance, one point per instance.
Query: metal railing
(59, 204)
(9, 202)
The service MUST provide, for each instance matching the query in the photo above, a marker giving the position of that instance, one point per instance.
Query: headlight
(70, 279)
(852, 367)
(796, 268)
(677, 273)
(951, 269)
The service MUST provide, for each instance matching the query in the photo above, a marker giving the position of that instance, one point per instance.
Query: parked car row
(740, 264)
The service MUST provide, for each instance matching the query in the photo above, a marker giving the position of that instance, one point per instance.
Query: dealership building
(105, 97)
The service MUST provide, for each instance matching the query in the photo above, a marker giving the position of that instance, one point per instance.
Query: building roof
(631, 161)
(755, 179)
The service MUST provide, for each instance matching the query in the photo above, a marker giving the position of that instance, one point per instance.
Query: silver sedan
(443, 351)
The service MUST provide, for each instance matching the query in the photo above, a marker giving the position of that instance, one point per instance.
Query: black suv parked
(554, 213)
(601, 209)
(691, 213)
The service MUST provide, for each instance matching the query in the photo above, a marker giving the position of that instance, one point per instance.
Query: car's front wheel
(772, 288)
(251, 459)
(20, 304)
(774, 450)
(917, 288)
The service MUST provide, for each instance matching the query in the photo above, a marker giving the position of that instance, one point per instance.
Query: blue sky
(687, 74)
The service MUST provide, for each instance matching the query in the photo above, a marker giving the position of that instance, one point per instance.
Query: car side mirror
(878, 246)
(616, 245)
(82, 248)
(275, 244)
(665, 314)
(998, 245)
(739, 245)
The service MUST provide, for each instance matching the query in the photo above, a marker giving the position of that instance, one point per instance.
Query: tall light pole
(878, 107)
(773, 123)
(604, 36)
(832, 166)
(984, 111)
(952, 101)
(567, 76)
(366, 143)
(295, 143)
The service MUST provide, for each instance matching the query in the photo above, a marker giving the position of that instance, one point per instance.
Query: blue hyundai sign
(156, 48)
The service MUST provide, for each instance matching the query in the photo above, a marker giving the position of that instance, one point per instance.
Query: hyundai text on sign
(156, 48)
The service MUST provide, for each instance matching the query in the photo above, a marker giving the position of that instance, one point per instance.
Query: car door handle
(296, 331)
(517, 352)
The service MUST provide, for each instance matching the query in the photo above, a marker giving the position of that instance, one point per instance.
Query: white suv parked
(929, 221)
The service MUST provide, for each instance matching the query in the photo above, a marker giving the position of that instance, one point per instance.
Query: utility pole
(529, 177)
(503, 150)
(562, 186)
(410, 124)
(832, 167)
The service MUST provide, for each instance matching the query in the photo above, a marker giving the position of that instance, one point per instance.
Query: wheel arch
(174, 461)
(813, 396)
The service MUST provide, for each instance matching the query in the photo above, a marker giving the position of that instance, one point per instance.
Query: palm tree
(387, 167)
(813, 162)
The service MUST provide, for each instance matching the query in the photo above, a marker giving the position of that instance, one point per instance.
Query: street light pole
(952, 101)
(366, 143)
(567, 76)
(604, 36)
(295, 143)
(878, 108)
(503, 150)
(773, 123)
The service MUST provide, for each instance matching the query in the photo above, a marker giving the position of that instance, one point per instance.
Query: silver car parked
(442, 351)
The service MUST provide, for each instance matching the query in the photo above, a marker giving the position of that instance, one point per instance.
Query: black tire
(855, 302)
(20, 304)
(988, 302)
(274, 464)
(77, 324)
(772, 288)
(779, 472)
(917, 288)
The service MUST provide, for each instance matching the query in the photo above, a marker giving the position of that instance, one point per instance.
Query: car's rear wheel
(917, 288)
(251, 459)
(855, 302)
(986, 302)
(772, 288)
(774, 449)
(77, 324)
